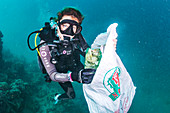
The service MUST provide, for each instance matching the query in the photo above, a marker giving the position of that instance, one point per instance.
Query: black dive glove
(84, 76)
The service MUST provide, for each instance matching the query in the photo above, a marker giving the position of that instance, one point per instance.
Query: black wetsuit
(67, 60)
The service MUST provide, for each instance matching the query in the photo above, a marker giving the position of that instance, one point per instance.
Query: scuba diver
(59, 52)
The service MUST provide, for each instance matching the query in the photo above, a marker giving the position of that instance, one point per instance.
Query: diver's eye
(64, 26)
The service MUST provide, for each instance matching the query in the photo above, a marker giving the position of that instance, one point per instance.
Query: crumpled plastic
(112, 89)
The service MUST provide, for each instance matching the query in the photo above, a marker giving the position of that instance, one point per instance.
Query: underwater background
(143, 46)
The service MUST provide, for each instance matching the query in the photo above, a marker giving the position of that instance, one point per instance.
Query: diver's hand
(84, 76)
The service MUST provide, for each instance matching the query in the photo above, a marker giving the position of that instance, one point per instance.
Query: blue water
(143, 41)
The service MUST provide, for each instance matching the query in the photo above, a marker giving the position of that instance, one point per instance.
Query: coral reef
(12, 96)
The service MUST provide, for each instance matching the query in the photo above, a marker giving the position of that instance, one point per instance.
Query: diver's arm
(50, 68)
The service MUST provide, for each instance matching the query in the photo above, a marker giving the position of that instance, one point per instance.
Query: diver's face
(64, 26)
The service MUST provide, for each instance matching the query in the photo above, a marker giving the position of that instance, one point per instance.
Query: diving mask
(69, 27)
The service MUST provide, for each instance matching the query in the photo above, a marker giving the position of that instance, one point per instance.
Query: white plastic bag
(112, 89)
